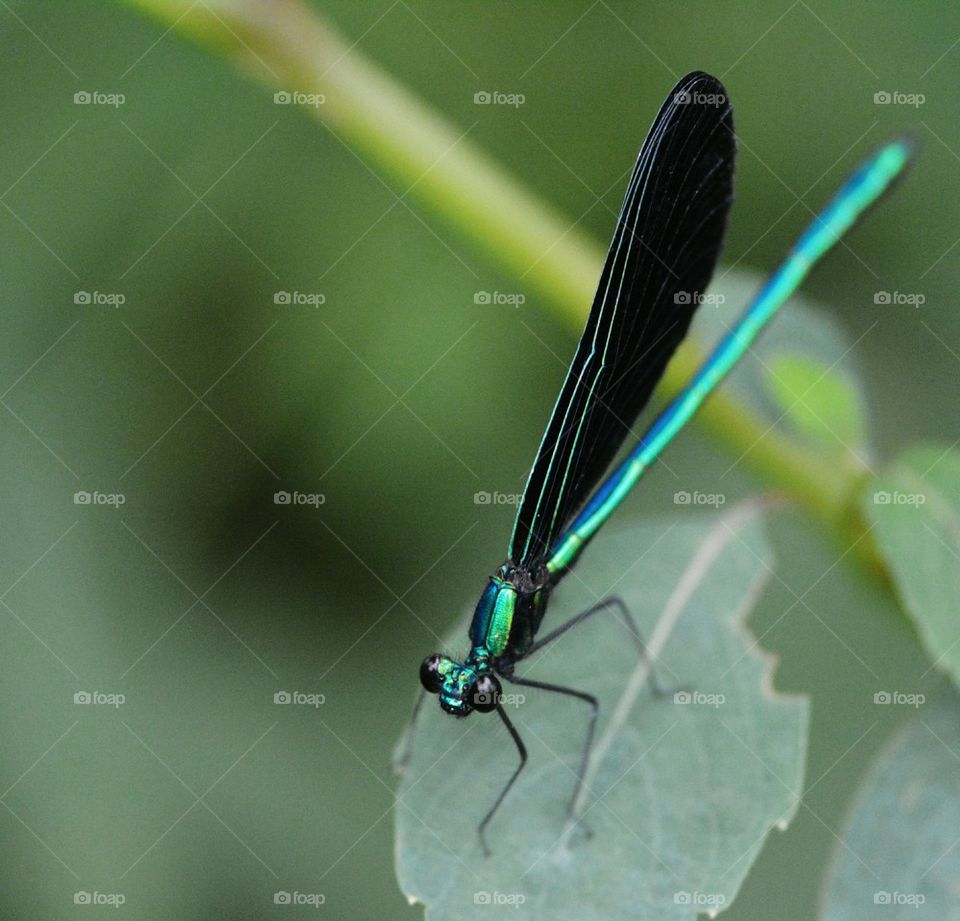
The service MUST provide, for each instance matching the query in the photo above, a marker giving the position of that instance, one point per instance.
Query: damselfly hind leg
(522, 750)
(591, 726)
(613, 603)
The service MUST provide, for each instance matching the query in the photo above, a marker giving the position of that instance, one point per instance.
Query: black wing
(668, 236)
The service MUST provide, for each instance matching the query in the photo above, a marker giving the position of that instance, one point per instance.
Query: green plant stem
(287, 46)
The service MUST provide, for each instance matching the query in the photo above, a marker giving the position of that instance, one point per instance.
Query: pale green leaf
(681, 795)
(898, 857)
(801, 374)
(915, 507)
(818, 401)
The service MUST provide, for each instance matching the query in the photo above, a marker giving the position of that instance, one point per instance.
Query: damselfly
(668, 235)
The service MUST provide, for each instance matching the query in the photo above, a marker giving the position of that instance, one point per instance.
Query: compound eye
(486, 694)
(430, 676)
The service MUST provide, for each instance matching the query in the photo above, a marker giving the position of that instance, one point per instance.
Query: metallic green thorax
(508, 615)
(504, 624)
(493, 617)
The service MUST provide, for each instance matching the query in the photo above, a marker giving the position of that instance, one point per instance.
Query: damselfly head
(461, 689)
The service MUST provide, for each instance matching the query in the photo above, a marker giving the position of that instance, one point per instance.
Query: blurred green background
(199, 398)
